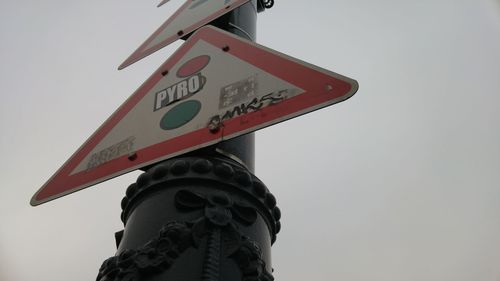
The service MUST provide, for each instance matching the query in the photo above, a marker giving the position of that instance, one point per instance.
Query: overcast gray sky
(400, 182)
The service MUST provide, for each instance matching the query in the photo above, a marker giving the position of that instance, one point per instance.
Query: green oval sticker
(180, 115)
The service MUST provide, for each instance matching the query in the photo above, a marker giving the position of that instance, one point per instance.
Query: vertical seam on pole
(242, 31)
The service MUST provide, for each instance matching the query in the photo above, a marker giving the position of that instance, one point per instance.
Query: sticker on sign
(215, 87)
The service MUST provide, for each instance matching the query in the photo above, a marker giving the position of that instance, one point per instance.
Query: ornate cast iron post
(201, 216)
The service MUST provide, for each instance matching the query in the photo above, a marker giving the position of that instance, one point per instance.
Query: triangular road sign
(215, 87)
(190, 16)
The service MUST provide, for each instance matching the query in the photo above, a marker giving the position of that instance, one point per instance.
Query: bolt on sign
(215, 87)
(192, 15)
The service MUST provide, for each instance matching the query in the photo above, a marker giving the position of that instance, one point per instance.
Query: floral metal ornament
(219, 208)
(154, 257)
(217, 225)
(220, 212)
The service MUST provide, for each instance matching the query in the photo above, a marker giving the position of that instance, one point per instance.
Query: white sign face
(189, 17)
(215, 87)
(191, 96)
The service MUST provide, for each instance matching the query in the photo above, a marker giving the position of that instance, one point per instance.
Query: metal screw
(214, 127)
(132, 156)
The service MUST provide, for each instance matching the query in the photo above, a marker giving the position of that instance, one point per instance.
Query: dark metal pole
(242, 22)
(200, 216)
